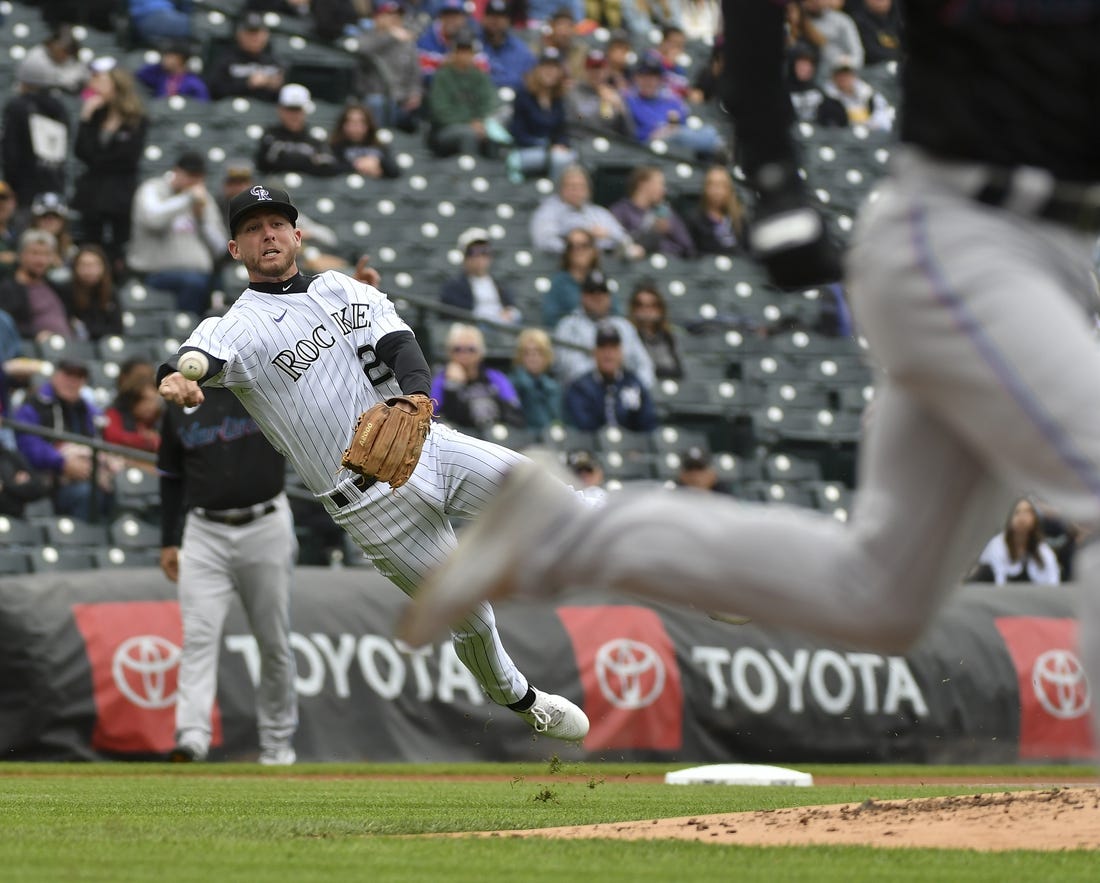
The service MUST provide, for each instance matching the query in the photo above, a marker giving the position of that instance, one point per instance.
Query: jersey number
(377, 371)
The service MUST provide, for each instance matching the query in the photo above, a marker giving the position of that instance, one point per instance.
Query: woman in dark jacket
(538, 125)
(89, 296)
(109, 141)
(716, 223)
(355, 143)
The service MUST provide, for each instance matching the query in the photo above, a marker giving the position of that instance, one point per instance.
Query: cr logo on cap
(260, 192)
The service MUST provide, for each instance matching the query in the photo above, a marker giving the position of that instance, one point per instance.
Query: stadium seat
(137, 492)
(129, 533)
(20, 533)
(116, 557)
(69, 533)
(787, 468)
(49, 559)
(14, 561)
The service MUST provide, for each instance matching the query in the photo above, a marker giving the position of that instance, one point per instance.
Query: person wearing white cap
(288, 146)
(35, 143)
(474, 288)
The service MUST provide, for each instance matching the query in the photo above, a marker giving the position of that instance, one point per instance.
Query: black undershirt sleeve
(171, 507)
(402, 353)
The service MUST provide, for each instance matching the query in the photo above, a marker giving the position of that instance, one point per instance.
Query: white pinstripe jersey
(304, 365)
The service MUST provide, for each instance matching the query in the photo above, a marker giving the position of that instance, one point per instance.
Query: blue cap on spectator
(452, 6)
(651, 64)
(607, 334)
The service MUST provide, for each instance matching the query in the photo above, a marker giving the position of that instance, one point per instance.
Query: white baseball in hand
(193, 365)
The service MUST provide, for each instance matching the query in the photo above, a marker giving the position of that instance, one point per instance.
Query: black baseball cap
(497, 7)
(607, 334)
(259, 196)
(595, 281)
(695, 457)
(252, 21)
(191, 162)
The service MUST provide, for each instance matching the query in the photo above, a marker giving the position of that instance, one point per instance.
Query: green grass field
(329, 822)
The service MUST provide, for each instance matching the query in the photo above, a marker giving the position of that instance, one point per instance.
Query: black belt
(1074, 205)
(360, 481)
(237, 517)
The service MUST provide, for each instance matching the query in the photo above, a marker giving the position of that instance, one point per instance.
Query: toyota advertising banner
(88, 670)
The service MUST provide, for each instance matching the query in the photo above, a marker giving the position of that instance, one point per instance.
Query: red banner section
(133, 650)
(1054, 693)
(632, 691)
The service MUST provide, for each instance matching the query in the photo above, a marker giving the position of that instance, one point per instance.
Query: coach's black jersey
(1006, 82)
(220, 454)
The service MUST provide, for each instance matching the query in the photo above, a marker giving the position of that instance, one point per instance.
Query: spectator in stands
(620, 52)
(707, 84)
(509, 57)
(802, 30)
(539, 393)
(58, 53)
(609, 394)
(649, 316)
(593, 103)
(1019, 554)
(717, 222)
(646, 215)
(293, 8)
(670, 50)
(539, 127)
(389, 69)
(109, 141)
(438, 42)
(697, 472)
(469, 395)
(542, 12)
(354, 142)
(475, 289)
(461, 103)
(172, 76)
(34, 158)
(580, 326)
(9, 234)
(20, 483)
(155, 20)
(839, 32)
(133, 420)
(27, 296)
(248, 68)
(879, 26)
(586, 469)
(177, 232)
(701, 19)
(65, 403)
(335, 18)
(571, 208)
(49, 213)
(579, 259)
(643, 16)
(89, 295)
(810, 102)
(659, 115)
(289, 146)
(562, 35)
(863, 104)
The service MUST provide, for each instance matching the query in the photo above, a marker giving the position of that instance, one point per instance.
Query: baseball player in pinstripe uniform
(970, 276)
(306, 356)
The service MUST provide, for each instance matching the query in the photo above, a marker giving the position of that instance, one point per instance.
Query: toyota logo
(140, 668)
(1060, 684)
(631, 674)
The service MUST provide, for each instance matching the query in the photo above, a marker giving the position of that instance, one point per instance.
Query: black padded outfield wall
(88, 666)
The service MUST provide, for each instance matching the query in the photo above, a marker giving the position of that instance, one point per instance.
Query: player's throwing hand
(179, 390)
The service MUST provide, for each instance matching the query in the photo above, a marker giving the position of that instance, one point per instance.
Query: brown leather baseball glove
(388, 438)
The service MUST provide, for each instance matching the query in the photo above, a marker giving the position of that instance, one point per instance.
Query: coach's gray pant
(255, 561)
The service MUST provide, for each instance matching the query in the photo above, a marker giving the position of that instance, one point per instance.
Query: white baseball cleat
(557, 717)
(280, 755)
(492, 553)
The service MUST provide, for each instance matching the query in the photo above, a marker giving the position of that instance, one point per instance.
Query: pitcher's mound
(1060, 818)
